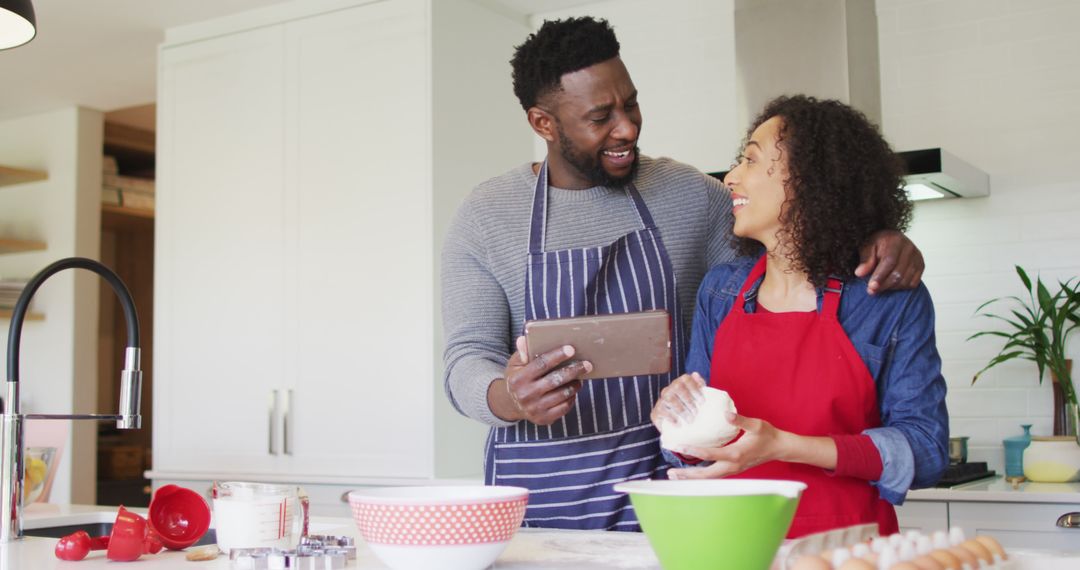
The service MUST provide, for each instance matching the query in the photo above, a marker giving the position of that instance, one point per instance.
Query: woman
(833, 387)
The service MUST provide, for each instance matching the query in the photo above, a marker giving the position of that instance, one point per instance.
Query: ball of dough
(709, 428)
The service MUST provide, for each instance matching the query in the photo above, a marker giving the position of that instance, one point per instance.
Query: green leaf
(1024, 319)
(1023, 277)
(1045, 301)
(995, 361)
(992, 333)
(984, 305)
(1013, 324)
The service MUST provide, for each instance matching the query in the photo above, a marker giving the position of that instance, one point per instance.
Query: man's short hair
(557, 48)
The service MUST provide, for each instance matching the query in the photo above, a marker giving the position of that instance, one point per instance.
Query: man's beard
(590, 166)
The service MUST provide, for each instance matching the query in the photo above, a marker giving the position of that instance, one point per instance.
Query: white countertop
(996, 489)
(529, 550)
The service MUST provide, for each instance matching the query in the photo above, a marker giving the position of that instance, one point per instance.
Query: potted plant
(1037, 331)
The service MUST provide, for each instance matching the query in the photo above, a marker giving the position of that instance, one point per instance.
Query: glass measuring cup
(255, 515)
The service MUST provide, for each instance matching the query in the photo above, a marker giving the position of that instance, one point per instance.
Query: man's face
(598, 121)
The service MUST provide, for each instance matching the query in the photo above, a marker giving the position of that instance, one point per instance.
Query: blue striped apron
(570, 466)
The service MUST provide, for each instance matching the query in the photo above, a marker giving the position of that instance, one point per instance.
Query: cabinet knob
(1069, 520)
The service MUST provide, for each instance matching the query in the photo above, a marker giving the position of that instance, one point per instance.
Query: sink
(56, 521)
(98, 529)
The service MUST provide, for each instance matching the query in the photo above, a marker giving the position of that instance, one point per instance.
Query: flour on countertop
(575, 549)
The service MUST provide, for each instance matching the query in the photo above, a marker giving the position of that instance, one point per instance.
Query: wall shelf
(9, 175)
(20, 245)
(5, 315)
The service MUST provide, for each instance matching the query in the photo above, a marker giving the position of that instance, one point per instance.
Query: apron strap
(539, 211)
(755, 274)
(538, 219)
(830, 304)
(639, 205)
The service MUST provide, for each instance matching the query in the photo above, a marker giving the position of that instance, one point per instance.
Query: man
(595, 229)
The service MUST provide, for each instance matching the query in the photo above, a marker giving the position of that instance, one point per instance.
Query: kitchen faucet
(11, 445)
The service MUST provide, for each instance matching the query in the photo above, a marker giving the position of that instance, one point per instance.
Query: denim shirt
(893, 332)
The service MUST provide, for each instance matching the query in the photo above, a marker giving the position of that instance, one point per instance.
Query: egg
(860, 550)
(993, 546)
(946, 558)
(927, 562)
(956, 536)
(965, 556)
(840, 556)
(940, 539)
(903, 566)
(979, 550)
(857, 564)
(810, 562)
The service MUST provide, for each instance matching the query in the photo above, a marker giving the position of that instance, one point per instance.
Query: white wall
(681, 56)
(58, 360)
(996, 83)
(463, 65)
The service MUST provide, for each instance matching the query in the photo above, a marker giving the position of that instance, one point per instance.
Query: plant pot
(1052, 460)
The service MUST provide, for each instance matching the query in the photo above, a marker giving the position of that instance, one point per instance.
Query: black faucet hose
(21, 306)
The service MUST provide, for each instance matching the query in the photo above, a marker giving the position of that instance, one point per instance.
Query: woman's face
(757, 185)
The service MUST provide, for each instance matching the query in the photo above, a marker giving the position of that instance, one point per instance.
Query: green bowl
(714, 523)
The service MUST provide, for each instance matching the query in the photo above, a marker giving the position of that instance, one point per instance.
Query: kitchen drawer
(1018, 525)
(923, 516)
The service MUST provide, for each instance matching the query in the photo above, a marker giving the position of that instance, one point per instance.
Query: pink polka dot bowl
(453, 528)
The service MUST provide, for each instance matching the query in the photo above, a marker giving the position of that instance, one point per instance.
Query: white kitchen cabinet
(304, 181)
(1021, 517)
(219, 271)
(1026, 525)
(923, 516)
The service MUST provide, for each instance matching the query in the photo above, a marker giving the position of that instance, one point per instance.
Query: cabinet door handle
(273, 445)
(1069, 520)
(286, 424)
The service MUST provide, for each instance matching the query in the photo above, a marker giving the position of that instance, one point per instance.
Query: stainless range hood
(934, 173)
(829, 49)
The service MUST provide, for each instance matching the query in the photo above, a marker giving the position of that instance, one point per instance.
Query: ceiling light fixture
(17, 23)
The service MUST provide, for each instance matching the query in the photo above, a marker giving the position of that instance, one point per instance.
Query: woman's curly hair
(557, 48)
(843, 184)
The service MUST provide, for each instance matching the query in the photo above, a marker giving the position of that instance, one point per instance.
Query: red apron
(800, 372)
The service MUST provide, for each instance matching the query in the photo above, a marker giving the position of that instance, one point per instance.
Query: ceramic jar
(1014, 452)
(1052, 459)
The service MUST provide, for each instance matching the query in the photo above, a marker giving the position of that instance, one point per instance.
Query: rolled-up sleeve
(913, 440)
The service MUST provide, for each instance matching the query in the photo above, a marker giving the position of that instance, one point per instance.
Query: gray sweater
(486, 248)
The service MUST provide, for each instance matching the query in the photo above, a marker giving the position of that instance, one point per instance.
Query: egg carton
(860, 547)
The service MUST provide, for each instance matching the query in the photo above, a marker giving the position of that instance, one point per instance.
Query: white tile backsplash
(996, 83)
